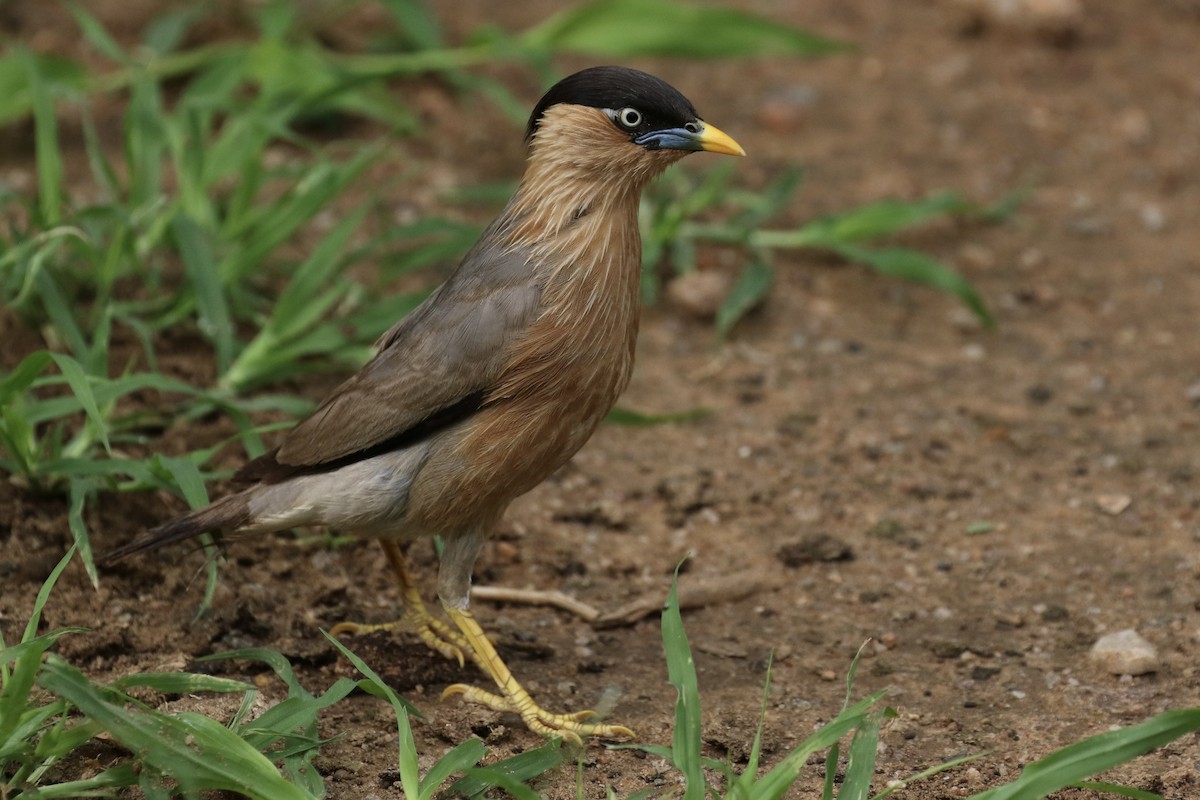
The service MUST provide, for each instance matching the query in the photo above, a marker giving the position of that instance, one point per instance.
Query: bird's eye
(629, 118)
(692, 127)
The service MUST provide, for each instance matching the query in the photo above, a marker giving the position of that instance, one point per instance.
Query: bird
(493, 382)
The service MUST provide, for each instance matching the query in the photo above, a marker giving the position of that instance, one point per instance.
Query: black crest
(660, 104)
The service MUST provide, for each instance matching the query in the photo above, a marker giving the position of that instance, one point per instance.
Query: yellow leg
(513, 697)
(436, 634)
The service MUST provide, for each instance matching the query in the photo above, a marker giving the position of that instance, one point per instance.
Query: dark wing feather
(433, 367)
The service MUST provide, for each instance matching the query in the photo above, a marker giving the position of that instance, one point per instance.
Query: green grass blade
(776, 782)
(293, 330)
(145, 142)
(95, 34)
(852, 673)
(911, 265)
(925, 773)
(292, 311)
(416, 23)
(1116, 788)
(197, 752)
(240, 767)
(628, 28)
(16, 91)
(288, 730)
(14, 384)
(410, 779)
(1093, 755)
(293, 716)
(101, 785)
(79, 493)
(78, 380)
(644, 794)
(197, 255)
(167, 31)
(18, 680)
(181, 683)
(460, 759)
(45, 132)
(511, 772)
(681, 671)
(769, 201)
(80, 468)
(749, 290)
(278, 664)
(494, 778)
(102, 169)
(14, 699)
(104, 392)
(58, 739)
(831, 768)
(266, 230)
(868, 221)
(740, 786)
(374, 684)
(60, 313)
(188, 478)
(860, 765)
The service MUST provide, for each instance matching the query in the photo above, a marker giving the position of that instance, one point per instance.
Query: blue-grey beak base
(696, 135)
(670, 139)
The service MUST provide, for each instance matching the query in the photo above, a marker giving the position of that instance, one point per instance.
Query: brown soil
(861, 429)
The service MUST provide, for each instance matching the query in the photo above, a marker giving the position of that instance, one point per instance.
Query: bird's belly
(510, 447)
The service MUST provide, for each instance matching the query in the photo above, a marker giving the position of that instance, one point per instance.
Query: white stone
(1125, 653)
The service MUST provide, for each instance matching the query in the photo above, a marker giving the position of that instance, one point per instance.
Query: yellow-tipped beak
(714, 140)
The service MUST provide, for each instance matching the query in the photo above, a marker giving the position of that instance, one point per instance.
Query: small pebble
(813, 548)
(1193, 393)
(699, 293)
(1133, 125)
(1125, 653)
(1113, 504)
(1153, 218)
(1059, 19)
(974, 352)
(506, 552)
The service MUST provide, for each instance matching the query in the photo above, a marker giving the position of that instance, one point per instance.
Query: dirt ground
(862, 433)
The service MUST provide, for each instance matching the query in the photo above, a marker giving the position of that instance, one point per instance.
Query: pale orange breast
(563, 377)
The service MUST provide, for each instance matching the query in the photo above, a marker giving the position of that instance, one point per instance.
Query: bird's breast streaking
(565, 374)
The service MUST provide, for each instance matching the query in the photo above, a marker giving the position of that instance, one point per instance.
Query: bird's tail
(227, 514)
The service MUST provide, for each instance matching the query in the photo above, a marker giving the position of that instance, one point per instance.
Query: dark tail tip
(226, 514)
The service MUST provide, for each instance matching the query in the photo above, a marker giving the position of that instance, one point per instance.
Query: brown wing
(432, 367)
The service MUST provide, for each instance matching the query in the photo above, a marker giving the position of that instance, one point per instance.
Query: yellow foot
(436, 634)
(571, 727)
(512, 695)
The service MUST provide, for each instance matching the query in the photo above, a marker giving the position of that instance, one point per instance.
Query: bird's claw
(434, 633)
(571, 727)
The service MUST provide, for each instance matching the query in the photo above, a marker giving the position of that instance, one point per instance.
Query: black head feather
(660, 104)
